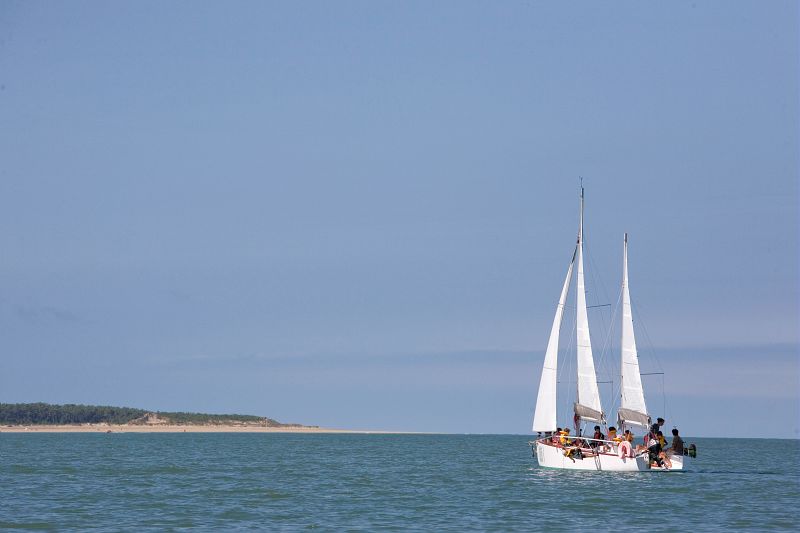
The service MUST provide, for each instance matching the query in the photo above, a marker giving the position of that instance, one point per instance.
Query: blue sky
(359, 214)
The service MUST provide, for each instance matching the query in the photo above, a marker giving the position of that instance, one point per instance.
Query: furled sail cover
(632, 406)
(588, 394)
(544, 418)
(587, 413)
(633, 417)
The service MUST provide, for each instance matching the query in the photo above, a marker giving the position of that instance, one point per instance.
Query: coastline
(172, 428)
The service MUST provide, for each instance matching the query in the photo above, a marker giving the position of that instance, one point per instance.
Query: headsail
(544, 418)
(588, 405)
(632, 407)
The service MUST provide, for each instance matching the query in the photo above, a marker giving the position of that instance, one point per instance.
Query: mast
(632, 405)
(545, 416)
(588, 405)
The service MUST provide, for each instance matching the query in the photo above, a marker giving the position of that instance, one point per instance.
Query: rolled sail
(587, 413)
(633, 417)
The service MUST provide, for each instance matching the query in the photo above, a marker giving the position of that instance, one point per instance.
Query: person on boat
(656, 454)
(572, 446)
(638, 448)
(597, 435)
(573, 452)
(612, 436)
(628, 436)
(677, 443)
(652, 434)
(564, 439)
(661, 440)
(660, 422)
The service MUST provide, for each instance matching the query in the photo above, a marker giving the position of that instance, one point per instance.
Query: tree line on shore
(44, 413)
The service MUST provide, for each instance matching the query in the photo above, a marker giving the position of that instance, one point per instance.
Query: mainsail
(588, 405)
(544, 418)
(632, 407)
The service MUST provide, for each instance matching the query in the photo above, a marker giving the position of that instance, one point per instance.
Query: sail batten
(633, 409)
(544, 417)
(588, 393)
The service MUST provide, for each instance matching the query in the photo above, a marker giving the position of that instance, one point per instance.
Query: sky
(359, 214)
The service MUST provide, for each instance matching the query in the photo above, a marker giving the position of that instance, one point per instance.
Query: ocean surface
(335, 481)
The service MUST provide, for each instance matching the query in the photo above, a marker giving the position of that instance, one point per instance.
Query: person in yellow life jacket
(564, 440)
(612, 436)
(661, 440)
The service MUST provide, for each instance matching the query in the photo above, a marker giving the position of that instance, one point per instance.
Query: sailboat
(577, 452)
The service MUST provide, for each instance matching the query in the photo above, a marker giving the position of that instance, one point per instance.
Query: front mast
(588, 406)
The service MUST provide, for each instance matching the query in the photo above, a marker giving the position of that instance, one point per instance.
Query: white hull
(678, 462)
(550, 456)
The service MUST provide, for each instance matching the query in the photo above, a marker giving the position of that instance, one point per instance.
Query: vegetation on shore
(44, 413)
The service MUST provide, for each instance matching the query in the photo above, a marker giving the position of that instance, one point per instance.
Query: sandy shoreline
(168, 428)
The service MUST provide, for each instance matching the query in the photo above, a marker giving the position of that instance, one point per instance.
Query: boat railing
(556, 439)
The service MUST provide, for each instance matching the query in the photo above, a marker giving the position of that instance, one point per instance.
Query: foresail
(544, 418)
(588, 394)
(632, 407)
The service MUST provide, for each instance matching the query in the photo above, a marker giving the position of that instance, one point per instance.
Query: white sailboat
(559, 451)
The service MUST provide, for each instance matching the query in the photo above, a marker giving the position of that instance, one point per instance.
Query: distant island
(44, 414)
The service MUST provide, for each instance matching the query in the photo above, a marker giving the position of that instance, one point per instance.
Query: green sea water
(141, 482)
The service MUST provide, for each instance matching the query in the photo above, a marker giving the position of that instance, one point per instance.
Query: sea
(227, 482)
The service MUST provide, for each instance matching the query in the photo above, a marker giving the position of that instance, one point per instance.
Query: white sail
(632, 407)
(588, 394)
(544, 418)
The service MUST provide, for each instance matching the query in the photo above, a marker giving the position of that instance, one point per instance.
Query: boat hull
(551, 456)
(678, 462)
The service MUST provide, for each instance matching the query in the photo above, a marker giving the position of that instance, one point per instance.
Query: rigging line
(598, 281)
(643, 328)
(655, 356)
(603, 362)
(606, 349)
